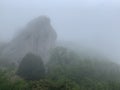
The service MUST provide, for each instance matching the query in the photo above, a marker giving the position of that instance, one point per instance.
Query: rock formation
(38, 37)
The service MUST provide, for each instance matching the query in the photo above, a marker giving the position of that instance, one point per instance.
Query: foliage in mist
(31, 68)
(70, 64)
(66, 70)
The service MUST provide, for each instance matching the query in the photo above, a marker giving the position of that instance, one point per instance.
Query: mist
(88, 23)
(59, 45)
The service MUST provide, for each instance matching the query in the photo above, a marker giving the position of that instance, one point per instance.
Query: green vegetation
(66, 70)
(31, 68)
(8, 82)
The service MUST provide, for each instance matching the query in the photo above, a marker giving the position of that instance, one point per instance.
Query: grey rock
(37, 37)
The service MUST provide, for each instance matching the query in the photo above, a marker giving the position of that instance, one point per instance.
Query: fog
(91, 23)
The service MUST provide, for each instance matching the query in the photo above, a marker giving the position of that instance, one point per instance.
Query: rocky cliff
(37, 37)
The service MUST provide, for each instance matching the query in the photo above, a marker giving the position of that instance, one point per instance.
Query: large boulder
(37, 37)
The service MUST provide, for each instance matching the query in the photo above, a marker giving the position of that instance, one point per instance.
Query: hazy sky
(93, 22)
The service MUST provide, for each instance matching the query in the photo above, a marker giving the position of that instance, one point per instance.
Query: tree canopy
(31, 68)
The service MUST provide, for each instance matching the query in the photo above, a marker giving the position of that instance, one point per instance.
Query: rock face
(38, 37)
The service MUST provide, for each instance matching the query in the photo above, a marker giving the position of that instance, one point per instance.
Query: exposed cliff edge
(38, 37)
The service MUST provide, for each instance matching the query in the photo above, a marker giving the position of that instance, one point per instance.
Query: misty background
(90, 23)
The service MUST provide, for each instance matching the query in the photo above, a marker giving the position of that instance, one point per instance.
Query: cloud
(56, 3)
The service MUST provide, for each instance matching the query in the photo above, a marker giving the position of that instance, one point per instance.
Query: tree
(61, 62)
(31, 68)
